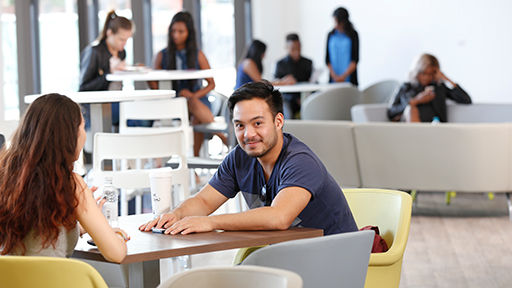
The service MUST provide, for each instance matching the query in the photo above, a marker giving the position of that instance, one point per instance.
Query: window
(162, 12)
(10, 63)
(58, 36)
(218, 41)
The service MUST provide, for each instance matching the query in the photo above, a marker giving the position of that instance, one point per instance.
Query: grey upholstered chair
(339, 260)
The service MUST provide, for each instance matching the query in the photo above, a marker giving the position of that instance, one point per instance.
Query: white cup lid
(161, 172)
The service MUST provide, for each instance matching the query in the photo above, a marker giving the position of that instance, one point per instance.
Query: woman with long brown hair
(41, 199)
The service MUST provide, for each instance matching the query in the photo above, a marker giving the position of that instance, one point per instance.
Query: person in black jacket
(298, 68)
(342, 49)
(105, 55)
(424, 96)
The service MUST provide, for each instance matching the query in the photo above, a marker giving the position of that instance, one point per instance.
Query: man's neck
(268, 161)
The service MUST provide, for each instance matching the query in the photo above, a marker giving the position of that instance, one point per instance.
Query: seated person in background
(424, 96)
(183, 53)
(104, 56)
(41, 199)
(296, 66)
(250, 67)
(282, 180)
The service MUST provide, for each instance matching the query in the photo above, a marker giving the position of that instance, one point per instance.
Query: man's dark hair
(263, 90)
(292, 37)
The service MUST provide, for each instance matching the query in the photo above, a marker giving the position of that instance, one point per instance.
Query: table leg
(143, 274)
(165, 85)
(101, 118)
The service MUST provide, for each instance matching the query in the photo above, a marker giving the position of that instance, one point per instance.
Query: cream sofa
(457, 113)
(460, 157)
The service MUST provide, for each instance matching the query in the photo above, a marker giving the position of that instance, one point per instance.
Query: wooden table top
(147, 246)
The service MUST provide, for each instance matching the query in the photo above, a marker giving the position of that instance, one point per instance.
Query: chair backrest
(234, 277)
(329, 261)
(391, 211)
(47, 272)
(369, 113)
(479, 113)
(164, 109)
(109, 146)
(333, 104)
(333, 143)
(380, 92)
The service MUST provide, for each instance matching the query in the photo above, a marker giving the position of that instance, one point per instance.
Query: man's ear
(279, 120)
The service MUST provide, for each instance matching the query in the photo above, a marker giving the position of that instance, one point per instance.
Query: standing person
(424, 96)
(282, 180)
(182, 53)
(342, 49)
(250, 68)
(41, 199)
(296, 66)
(105, 55)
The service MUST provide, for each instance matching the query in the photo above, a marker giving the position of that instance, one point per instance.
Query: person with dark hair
(250, 68)
(105, 55)
(342, 49)
(182, 53)
(295, 66)
(41, 199)
(282, 180)
(423, 97)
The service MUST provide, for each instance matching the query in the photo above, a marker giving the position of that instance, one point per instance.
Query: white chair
(109, 146)
(377, 112)
(333, 104)
(380, 92)
(333, 143)
(167, 109)
(234, 277)
(339, 260)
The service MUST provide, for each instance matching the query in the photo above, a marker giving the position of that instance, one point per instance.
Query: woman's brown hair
(114, 23)
(37, 188)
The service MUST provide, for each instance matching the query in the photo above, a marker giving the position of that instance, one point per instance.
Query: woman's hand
(122, 233)
(100, 200)
(423, 97)
(186, 93)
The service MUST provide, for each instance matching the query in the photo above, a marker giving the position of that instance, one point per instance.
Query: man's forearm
(264, 218)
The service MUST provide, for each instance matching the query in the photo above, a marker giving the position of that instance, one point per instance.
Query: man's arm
(202, 204)
(287, 205)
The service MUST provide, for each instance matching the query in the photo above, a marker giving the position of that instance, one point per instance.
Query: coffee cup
(161, 190)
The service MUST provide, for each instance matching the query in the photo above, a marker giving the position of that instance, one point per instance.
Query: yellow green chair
(390, 210)
(47, 272)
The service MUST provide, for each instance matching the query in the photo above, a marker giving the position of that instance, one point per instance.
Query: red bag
(379, 245)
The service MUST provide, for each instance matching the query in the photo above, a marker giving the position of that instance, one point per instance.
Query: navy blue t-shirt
(296, 166)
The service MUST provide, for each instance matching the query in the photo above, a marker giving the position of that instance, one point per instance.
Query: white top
(310, 87)
(158, 75)
(112, 96)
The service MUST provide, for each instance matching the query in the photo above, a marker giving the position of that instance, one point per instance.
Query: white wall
(472, 39)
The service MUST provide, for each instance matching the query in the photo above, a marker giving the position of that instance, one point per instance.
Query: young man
(282, 180)
(298, 67)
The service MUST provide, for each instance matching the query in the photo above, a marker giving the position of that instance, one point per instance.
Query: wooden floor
(465, 244)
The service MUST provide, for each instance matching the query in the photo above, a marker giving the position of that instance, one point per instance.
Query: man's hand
(162, 221)
(191, 224)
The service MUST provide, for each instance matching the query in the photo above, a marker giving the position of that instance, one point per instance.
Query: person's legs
(411, 114)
